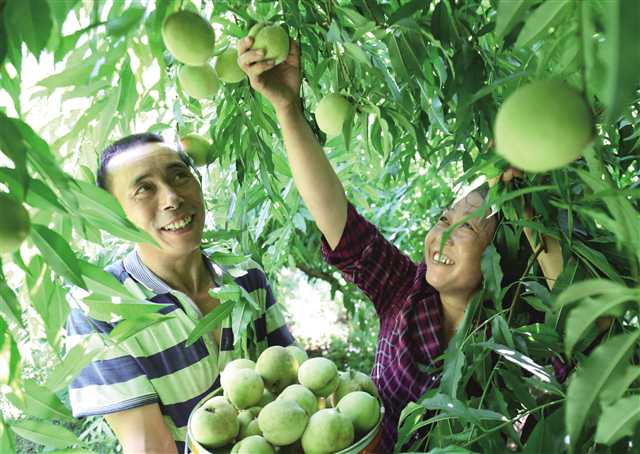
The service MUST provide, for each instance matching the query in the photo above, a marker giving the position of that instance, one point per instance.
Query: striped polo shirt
(154, 365)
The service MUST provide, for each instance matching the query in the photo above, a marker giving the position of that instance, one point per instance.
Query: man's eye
(467, 225)
(142, 189)
(443, 219)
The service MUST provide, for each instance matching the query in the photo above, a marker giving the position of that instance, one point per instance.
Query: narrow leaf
(619, 384)
(211, 321)
(57, 253)
(618, 420)
(510, 12)
(41, 402)
(584, 315)
(45, 433)
(590, 287)
(540, 21)
(591, 378)
(622, 55)
(77, 358)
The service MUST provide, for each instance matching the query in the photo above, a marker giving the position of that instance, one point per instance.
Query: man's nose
(170, 198)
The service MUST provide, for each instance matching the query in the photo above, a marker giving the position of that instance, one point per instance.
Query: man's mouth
(442, 259)
(182, 224)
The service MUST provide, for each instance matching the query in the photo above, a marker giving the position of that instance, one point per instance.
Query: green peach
(199, 82)
(328, 431)
(282, 422)
(189, 38)
(273, 39)
(543, 126)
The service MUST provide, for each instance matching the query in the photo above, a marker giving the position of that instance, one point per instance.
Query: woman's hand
(509, 174)
(279, 84)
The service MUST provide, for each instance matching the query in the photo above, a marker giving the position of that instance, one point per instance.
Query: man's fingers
(249, 58)
(244, 44)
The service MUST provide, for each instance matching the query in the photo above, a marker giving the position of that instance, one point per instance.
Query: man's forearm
(314, 176)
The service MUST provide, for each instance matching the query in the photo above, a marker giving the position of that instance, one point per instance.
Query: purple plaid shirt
(410, 316)
(409, 312)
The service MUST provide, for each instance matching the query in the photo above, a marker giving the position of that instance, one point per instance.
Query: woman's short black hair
(124, 144)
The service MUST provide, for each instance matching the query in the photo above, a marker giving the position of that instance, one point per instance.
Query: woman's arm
(313, 175)
(550, 258)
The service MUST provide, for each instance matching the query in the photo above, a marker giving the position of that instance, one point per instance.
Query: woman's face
(456, 269)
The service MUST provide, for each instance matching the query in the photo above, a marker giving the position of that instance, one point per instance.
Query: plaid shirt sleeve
(368, 260)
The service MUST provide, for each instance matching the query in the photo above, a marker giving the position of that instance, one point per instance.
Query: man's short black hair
(124, 144)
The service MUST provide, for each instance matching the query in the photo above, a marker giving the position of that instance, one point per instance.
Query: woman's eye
(467, 225)
(181, 175)
(442, 219)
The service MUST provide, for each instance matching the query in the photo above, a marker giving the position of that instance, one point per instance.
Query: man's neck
(187, 274)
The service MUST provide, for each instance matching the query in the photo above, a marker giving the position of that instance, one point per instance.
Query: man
(147, 385)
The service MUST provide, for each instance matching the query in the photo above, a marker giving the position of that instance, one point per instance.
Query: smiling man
(147, 385)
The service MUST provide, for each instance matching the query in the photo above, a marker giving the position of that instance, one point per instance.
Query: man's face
(456, 269)
(156, 190)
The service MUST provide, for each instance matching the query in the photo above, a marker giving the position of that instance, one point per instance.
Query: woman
(419, 305)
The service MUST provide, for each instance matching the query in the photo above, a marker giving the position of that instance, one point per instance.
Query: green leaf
(541, 20)
(408, 9)
(548, 435)
(521, 360)
(77, 358)
(41, 403)
(104, 283)
(457, 409)
(583, 316)
(9, 356)
(397, 61)
(57, 312)
(103, 210)
(31, 21)
(590, 287)
(211, 321)
(108, 116)
(45, 433)
(9, 306)
(592, 377)
(451, 450)
(80, 73)
(122, 24)
(7, 438)
(104, 308)
(41, 196)
(597, 259)
(130, 327)
(622, 55)
(492, 272)
(619, 384)
(510, 12)
(57, 253)
(357, 53)
(618, 420)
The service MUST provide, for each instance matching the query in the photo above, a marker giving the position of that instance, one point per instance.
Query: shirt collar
(141, 273)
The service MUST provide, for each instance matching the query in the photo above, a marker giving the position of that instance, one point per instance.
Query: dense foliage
(427, 79)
